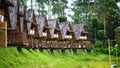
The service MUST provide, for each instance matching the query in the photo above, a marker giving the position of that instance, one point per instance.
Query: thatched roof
(42, 22)
(66, 28)
(13, 14)
(21, 10)
(30, 17)
(78, 30)
(54, 27)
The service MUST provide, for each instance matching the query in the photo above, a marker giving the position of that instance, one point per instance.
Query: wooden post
(109, 51)
(3, 34)
(116, 53)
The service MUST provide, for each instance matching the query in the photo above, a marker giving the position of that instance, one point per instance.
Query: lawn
(12, 58)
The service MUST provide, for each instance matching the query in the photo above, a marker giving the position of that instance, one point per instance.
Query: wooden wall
(3, 34)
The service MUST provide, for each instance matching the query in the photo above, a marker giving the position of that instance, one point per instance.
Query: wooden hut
(16, 36)
(31, 28)
(82, 36)
(67, 31)
(4, 4)
(55, 33)
(67, 34)
(43, 29)
(80, 32)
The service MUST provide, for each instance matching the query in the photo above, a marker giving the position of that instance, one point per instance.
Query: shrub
(98, 47)
(62, 19)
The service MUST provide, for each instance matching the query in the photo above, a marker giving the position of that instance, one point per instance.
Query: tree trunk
(104, 29)
(31, 5)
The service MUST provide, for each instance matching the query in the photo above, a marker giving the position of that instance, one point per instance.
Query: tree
(112, 19)
(57, 9)
(62, 19)
(41, 7)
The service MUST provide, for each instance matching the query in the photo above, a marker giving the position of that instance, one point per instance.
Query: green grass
(11, 58)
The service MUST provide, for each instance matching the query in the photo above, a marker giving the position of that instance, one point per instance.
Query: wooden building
(31, 28)
(55, 33)
(43, 30)
(16, 36)
(3, 30)
(82, 36)
(68, 35)
(4, 5)
(25, 29)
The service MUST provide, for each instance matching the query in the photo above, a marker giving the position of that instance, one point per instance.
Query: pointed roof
(29, 15)
(21, 10)
(66, 28)
(54, 27)
(12, 11)
(42, 22)
(31, 22)
(78, 30)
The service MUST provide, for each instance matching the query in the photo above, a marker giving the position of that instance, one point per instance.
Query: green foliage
(98, 44)
(57, 9)
(62, 19)
(11, 58)
(117, 35)
(100, 35)
(98, 47)
(112, 18)
(94, 24)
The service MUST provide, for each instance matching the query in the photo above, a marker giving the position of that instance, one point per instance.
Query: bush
(99, 47)
(62, 19)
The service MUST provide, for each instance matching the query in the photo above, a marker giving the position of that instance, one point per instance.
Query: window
(44, 34)
(32, 32)
(55, 35)
(1, 18)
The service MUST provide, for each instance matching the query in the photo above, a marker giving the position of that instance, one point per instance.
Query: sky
(118, 4)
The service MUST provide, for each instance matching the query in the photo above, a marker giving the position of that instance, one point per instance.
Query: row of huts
(25, 29)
